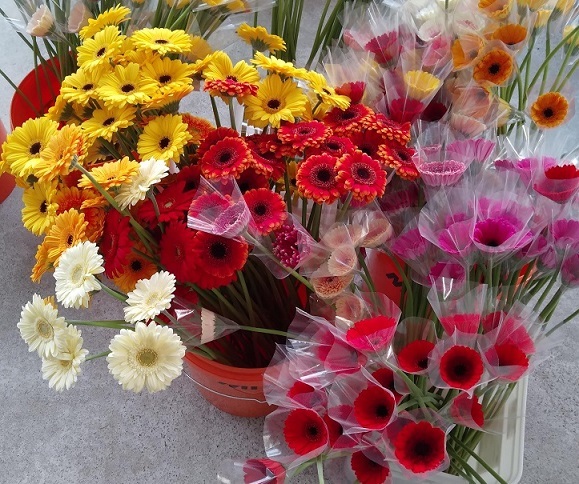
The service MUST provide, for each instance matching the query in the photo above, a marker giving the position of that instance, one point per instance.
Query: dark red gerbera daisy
(176, 250)
(267, 208)
(345, 121)
(228, 157)
(317, 179)
(434, 111)
(394, 131)
(395, 155)
(298, 388)
(250, 179)
(374, 407)
(413, 358)
(213, 137)
(368, 471)
(461, 367)
(385, 48)
(115, 244)
(302, 135)
(419, 447)
(263, 471)
(405, 110)
(385, 376)
(354, 90)
(335, 429)
(369, 142)
(305, 432)
(218, 256)
(372, 334)
(172, 204)
(508, 361)
(334, 145)
(285, 246)
(467, 411)
(190, 175)
(362, 176)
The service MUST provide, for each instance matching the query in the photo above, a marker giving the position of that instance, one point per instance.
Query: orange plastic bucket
(237, 391)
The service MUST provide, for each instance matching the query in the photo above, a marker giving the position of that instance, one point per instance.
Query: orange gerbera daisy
(73, 198)
(111, 174)
(495, 67)
(42, 263)
(465, 50)
(550, 110)
(497, 9)
(68, 144)
(69, 229)
(197, 127)
(136, 268)
(510, 34)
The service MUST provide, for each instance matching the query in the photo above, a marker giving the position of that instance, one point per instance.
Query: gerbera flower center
(548, 113)
(164, 142)
(66, 364)
(161, 41)
(44, 329)
(273, 104)
(126, 88)
(231, 78)
(153, 299)
(100, 52)
(165, 79)
(69, 240)
(35, 148)
(218, 250)
(494, 68)
(147, 357)
(423, 363)
(108, 121)
(422, 449)
(333, 146)
(225, 157)
(312, 432)
(43, 207)
(260, 209)
(363, 173)
(76, 275)
(136, 266)
(382, 411)
(323, 176)
(87, 87)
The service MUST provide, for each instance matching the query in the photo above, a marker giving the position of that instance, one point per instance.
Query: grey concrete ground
(98, 433)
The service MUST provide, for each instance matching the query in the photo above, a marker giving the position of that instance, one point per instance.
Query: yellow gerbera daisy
(112, 174)
(22, 149)
(259, 38)
(96, 152)
(62, 111)
(163, 138)
(571, 34)
(67, 145)
(163, 41)
(105, 122)
(40, 208)
(222, 78)
(125, 86)
(532, 4)
(98, 51)
(67, 230)
(112, 16)
(165, 74)
(277, 66)
(42, 263)
(543, 16)
(421, 84)
(277, 100)
(80, 87)
(162, 98)
(327, 94)
(200, 48)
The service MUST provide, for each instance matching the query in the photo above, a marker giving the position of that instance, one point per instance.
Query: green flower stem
(568, 76)
(368, 277)
(565, 61)
(20, 93)
(467, 468)
(304, 211)
(344, 208)
(275, 332)
(547, 52)
(236, 316)
(151, 196)
(231, 113)
(98, 355)
(317, 38)
(406, 282)
(320, 469)
(113, 324)
(547, 313)
(552, 282)
(479, 460)
(248, 302)
(215, 110)
(562, 323)
(517, 288)
(116, 294)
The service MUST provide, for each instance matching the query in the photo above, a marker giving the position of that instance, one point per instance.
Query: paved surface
(97, 433)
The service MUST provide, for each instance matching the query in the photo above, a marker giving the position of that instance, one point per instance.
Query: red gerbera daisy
(372, 334)
(268, 164)
(368, 471)
(218, 256)
(267, 209)
(362, 176)
(250, 179)
(305, 432)
(213, 137)
(374, 407)
(230, 87)
(419, 447)
(434, 111)
(334, 145)
(176, 250)
(395, 155)
(467, 411)
(265, 143)
(172, 204)
(317, 179)
(354, 90)
(394, 131)
(369, 142)
(461, 367)
(511, 330)
(228, 157)
(385, 376)
(343, 122)
(335, 429)
(298, 388)
(305, 134)
(560, 184)
(405, 110)
(508, 361)
(385, 47)
(115, 244)
(263, 471)
(408, 171)
(413, 358)
(465, 323)
(190, 175)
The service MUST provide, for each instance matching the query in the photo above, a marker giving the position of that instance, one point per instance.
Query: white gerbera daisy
(150, 357)
(75, 274)
(150, 172)
(39, 323)
(62, 369)
(150, 297)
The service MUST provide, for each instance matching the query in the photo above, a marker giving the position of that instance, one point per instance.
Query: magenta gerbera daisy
(362, 176)
(267, 208)
(228, 157)
(317, 179)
